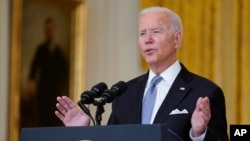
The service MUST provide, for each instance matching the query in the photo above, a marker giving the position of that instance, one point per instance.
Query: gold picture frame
(78, 23)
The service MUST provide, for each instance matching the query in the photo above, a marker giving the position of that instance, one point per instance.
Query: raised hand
(201, 116)
(69, 113)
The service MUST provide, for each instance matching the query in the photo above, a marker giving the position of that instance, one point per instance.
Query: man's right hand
(69, 113)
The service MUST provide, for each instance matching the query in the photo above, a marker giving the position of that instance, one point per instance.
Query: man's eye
(142, 33)
(156, 31)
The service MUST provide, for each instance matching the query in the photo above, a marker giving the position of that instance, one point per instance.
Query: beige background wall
(112, 52)
(4, 46)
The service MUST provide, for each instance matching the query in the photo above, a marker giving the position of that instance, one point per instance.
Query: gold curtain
(216, 45)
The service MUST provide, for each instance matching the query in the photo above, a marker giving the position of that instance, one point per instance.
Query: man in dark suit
(48, 76)
(191, 106)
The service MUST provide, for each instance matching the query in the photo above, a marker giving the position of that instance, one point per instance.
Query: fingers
(61, 109)
(201, 116)
(63, 106)
(64, 103)
(69, 102)
(203, 108)
(206, 107)
(203, 104)
(59, 115)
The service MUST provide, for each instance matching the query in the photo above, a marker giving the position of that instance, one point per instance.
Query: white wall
(4, 56)
(112, 53)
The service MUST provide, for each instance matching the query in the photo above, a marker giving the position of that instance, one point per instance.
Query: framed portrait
(48, 46)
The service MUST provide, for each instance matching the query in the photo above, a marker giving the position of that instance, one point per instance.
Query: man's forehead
(154, 24)
(153, 18)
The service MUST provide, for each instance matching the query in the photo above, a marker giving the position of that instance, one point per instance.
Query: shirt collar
(169, 74)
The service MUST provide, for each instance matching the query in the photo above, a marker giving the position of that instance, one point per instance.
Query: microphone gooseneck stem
(86, 110)
(99, 111)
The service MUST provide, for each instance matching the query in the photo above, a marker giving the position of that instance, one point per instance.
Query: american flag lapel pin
(182, 88)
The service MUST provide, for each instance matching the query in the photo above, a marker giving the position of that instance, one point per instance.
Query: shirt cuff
(200, 138)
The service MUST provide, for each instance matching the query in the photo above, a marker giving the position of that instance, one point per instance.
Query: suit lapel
(177, 92)
(138, 93)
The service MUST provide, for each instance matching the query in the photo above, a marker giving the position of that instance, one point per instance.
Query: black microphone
(116, 90)
(96, 91)
(88, 97)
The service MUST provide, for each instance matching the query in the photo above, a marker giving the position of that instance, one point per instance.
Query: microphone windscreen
(119, 87)
(99, 88)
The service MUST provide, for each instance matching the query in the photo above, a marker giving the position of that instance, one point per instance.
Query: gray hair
(175, 20)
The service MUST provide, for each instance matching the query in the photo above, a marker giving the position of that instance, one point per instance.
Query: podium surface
(99, 133)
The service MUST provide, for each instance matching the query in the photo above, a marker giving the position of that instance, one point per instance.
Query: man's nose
(149, 38)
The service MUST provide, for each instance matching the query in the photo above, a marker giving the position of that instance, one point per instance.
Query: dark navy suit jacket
(183, 94)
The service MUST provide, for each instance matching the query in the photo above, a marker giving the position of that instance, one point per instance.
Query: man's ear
(178, 39)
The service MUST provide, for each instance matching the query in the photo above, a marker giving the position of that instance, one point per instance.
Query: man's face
(49, 31)
(157, 43)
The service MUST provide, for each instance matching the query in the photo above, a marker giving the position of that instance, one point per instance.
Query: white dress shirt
(168, 77)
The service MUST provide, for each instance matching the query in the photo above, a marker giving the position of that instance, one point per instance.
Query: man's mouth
(149, 50)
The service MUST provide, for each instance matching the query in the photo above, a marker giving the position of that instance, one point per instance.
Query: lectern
(100, 133)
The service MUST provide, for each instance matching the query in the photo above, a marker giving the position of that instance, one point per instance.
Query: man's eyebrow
(157, 28)
(151, 29)
(142, 30)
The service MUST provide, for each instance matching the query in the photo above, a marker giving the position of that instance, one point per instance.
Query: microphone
(116, 90)
(96, 91)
